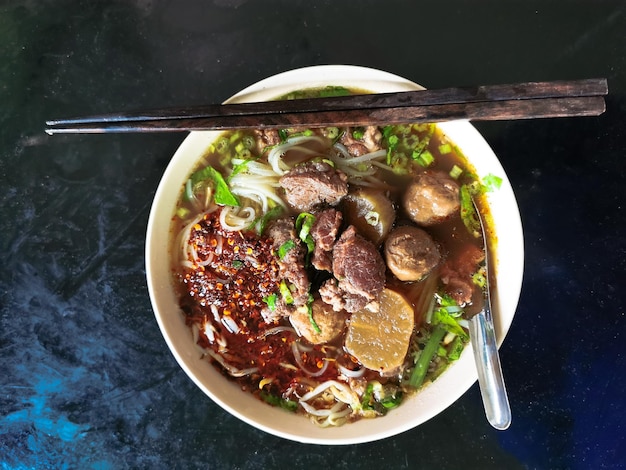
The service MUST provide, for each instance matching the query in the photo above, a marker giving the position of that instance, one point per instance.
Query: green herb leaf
(492, 182)
(239, 168)
(237, 263)
(455, 349)
(443, 318)
(222, 194)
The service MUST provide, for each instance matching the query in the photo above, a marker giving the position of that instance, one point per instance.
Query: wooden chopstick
(493, 102)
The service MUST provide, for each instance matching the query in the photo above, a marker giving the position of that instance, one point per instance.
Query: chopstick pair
(529, 100)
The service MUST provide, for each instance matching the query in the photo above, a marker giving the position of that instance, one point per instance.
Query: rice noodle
(235, 219)
(274, 157)
(357, 168)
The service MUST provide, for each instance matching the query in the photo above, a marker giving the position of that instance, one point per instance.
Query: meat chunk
(370, 142)
(324, 233)
(359, 272)
(456, 274)
(329, 322)
(431, 198)
(411, 253)
(266, 138)
(313, 183)
(291, 265)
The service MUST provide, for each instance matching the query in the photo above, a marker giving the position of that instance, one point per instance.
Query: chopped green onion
(456, 171)
(248, 141)
(309, 307)
(245, 153)
(237, 263)
(332, 132)
(358, 133)
(222, 144)
(445, 148)
(392, 143)
(285, 248)
(479, 279)
(283, 134)
(304, 223)
(270, 300)
(285, 292)
(182, 212)
(424, 158)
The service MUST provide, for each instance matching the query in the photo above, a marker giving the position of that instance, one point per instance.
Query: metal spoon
(483, 338)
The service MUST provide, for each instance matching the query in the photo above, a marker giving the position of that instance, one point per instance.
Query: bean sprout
(232, 370)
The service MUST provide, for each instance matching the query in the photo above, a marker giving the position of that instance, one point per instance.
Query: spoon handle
(490, 378)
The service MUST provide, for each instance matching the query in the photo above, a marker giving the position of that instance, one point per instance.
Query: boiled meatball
(411, 253)
(330, 323)
(431, 198)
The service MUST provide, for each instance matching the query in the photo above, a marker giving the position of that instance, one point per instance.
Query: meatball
(431, 198)
(329, 322)
(313, 183)
(411, 253)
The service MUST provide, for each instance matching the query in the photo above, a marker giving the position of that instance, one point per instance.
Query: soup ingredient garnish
(222, 194)
(288, 292)
(380, 339)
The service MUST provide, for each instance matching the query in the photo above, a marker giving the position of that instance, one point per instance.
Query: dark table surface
(86, 379)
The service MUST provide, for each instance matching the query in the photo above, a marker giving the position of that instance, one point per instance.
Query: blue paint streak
(42, 417)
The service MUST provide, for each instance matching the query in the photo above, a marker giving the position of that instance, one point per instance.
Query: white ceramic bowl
(435, 397)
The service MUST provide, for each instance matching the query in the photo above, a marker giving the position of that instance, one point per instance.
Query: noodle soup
(328, 271)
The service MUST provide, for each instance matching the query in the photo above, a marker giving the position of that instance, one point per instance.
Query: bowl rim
(418, 409)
